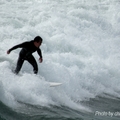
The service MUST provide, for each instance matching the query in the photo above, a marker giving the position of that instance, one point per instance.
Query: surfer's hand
(8, 52)
(40, 59)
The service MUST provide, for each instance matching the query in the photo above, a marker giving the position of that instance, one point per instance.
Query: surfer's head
(38, 41)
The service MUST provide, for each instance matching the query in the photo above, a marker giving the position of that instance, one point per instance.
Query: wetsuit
(26, 54)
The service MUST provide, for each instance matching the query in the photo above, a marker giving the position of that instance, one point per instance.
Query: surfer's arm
(17, 46)
(13, 48)
(40, 54)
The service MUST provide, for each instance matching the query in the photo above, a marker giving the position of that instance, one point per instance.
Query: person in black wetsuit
(26, 53)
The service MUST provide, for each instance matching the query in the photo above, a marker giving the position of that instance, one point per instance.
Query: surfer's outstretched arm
(17, 46)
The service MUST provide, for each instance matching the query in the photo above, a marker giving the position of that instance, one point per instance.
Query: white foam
(80, 49)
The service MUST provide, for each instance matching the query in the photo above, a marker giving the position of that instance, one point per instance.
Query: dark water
(39, 113)
(102, 108)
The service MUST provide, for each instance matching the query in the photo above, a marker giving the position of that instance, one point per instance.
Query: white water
(80, 49)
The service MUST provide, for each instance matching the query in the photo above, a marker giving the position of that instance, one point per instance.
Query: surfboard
(54, 84)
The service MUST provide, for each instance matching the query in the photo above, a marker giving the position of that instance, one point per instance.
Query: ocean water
(81, 49)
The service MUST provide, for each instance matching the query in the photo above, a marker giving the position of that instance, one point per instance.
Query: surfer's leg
(33, 62)
(19, 65)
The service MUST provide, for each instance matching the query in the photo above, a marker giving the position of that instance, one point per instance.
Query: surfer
(26, 53)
